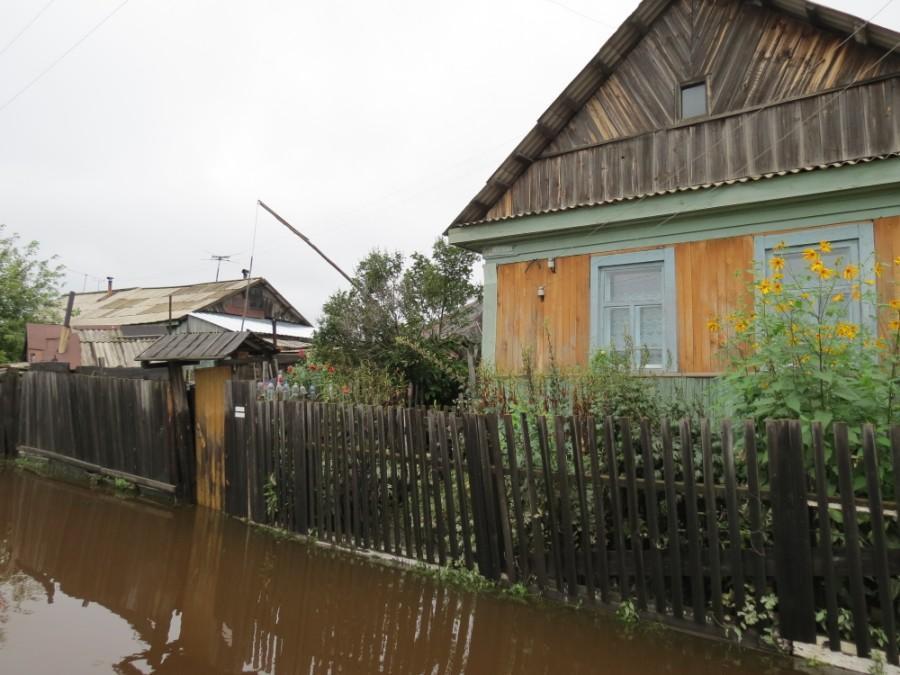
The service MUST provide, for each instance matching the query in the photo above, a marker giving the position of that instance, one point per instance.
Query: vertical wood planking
(446, 473)
(565, 509)
(692, 526)
(436, 450)
(577, 431)
(461, 490)
(851, 537)
(651, 504)
(757, 540)
(674, 549)
(825, 541)
(734, 525)
(499, 498)
(538, 557)
(599, 510)
(616, 507)
(554, 529)
(521, 537)
(712, 525)
(631, 491)
(879, 545)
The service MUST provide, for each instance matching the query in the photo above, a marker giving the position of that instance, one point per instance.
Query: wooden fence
(9, 395)
(121, 427)
(690, 522)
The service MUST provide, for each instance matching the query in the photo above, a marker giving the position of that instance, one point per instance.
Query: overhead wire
(25, 28)
(62, 56)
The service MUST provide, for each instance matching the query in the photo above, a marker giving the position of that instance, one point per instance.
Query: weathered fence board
(677, 525)
(123, 428)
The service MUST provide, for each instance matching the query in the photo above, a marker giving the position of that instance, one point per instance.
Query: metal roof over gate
(190, 347)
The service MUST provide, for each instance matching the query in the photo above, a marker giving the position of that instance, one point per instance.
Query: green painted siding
(826, 197)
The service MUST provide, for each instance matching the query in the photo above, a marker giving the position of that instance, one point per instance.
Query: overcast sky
(366, 124)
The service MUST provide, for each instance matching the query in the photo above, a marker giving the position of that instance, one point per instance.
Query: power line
(56, 62)
(26, 27)
(579, 13)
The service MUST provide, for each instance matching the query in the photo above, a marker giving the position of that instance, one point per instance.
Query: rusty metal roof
(616, 48)
(694, 188)
(110, 348)
(188, 347)
(130, 306)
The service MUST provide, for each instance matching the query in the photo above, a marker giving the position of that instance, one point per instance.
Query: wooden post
(183, 461)
(790, 515)
(9, 405)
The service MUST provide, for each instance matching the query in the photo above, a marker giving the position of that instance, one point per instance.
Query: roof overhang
(623, 40)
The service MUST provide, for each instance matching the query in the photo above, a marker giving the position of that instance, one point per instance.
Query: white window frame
(666, 256)
(862, 234)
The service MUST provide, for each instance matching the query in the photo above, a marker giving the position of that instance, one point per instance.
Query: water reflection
(92, 583)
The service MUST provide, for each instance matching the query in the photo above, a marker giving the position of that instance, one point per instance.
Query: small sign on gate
(239, 412)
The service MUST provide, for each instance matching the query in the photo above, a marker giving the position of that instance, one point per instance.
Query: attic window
(693, 100)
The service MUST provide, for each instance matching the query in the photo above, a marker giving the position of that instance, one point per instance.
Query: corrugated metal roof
(202, 346)
(129, 306)
(110, 348)
(580, 89)
(262, 326)
(693, 188)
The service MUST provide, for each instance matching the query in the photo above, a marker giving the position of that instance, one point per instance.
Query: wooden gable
(751, 55)
(788, 88)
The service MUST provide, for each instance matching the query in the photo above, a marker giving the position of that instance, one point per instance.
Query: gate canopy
(195, 347)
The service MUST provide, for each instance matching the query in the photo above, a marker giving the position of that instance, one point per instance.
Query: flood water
(93, 583)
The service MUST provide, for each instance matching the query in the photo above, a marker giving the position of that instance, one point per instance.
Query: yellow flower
(810, 254)
(847, 330)
(879, 269)
(897, 260)
(776, 263)
(780, 246)
(837, 297)
(825, 246)
(894, 325)
(777, 276)
(713, 325)
(764, 287)
(895, 304)
(850, 272)
(777, 288)
(741, 326)
(805, 296)
(855, 292)
(819, 268)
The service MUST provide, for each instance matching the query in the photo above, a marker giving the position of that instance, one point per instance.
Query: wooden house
(703, 133)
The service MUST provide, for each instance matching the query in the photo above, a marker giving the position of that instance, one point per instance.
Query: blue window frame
(633, 300)
(852, 244)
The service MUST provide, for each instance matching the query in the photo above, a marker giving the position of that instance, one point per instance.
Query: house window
(633, 306)
(852, 244)
(693, 100)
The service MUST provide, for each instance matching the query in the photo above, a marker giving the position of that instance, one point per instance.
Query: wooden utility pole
(312, 246)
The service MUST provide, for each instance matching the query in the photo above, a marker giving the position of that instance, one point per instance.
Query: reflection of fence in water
(565, 504)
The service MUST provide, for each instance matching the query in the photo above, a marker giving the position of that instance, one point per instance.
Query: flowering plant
(326, 382)
(803, 348)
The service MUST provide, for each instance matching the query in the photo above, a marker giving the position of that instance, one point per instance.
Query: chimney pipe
(245, 273)
(109, 281)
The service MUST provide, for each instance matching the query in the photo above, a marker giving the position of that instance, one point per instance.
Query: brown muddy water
(92, 583)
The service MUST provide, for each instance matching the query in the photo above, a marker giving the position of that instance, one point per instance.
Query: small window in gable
(633, 306)
(693, 100)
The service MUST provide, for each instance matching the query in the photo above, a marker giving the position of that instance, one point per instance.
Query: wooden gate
(209, 399)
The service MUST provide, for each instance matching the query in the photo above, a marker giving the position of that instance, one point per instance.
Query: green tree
(404, 319)
(29, 291)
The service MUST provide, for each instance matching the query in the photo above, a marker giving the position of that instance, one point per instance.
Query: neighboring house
(702, 133)
(111, 328)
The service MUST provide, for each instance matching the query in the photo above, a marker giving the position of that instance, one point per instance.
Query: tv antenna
(219, 259)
